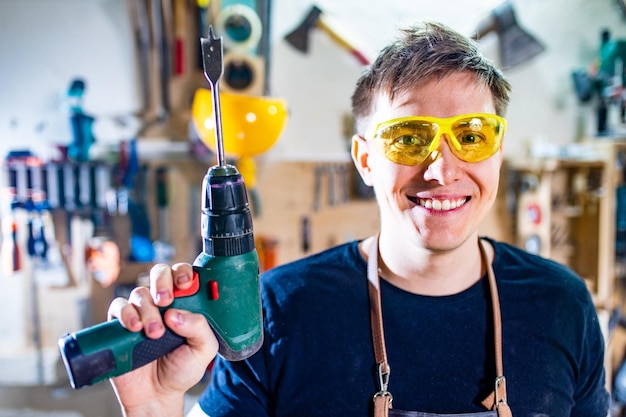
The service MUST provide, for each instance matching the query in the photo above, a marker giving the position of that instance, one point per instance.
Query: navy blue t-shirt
(317, 358)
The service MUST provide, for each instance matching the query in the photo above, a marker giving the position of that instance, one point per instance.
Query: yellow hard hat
(250, 124)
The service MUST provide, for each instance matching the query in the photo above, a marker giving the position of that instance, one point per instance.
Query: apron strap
(383, 398)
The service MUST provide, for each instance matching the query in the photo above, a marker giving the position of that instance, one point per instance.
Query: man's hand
(157, 389)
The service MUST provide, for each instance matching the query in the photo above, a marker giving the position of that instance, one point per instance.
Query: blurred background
(104, 138)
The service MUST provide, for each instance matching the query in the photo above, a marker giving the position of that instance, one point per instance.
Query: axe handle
(321, 24)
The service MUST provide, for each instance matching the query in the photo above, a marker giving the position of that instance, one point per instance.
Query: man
(429, 122)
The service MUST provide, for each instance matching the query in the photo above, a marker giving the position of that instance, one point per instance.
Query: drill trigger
(195, 286)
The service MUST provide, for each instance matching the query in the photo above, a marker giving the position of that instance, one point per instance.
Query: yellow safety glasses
(409, 140)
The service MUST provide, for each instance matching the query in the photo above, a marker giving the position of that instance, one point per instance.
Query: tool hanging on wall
(164, 251)
(141, 248)
(141, 23)
(267, 248)
(332, 178)
(305, 234)
(180, 26)
(516, 44)
(11, 253)
(160, 30)
(103, 257)
(604, 80)
(62, 206)
(161, 23)
(81, 123)
(202, 22)
(315, 19)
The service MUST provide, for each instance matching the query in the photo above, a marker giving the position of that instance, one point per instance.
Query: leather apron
(496, 403)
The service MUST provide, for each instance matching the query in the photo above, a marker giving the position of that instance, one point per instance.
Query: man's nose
(443, 164)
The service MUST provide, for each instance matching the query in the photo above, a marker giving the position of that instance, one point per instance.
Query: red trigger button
(195, 286)
(214, 293)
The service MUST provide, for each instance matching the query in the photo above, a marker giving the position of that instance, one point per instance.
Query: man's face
(439, 203)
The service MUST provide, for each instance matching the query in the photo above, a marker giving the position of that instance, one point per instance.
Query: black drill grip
(151, 349)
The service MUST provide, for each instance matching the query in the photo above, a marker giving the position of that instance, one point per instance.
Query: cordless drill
(225, 285)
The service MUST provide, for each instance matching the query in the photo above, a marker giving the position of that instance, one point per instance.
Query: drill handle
(108, 350)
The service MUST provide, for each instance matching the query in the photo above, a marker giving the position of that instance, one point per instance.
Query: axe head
(516, 45)
(299, 37)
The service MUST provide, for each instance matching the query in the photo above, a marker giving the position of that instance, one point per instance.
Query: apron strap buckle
(500, 390)
(383, 379)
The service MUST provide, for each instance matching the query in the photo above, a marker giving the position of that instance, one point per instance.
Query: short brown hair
(422, 53)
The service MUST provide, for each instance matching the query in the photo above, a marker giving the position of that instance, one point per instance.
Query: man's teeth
(442, 205)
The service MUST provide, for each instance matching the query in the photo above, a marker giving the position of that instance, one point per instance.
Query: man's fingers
(126, 313)
(161, 284)
(182, 274)
(163, 280)
(195, 328)
(149, 313)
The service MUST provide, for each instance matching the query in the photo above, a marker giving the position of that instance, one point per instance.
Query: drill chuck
(226, 217)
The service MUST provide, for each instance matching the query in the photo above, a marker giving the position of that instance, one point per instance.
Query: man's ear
(360, 157)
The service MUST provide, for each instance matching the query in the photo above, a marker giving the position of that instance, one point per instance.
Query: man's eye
(409, 140)
(471, 139)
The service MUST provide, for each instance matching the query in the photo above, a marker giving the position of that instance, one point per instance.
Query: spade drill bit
(212, 59)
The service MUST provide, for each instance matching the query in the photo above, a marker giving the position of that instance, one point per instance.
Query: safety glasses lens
(479, 137)
(409, 141)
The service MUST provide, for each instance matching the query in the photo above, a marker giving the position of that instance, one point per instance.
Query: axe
(299, 37)
(516, 45)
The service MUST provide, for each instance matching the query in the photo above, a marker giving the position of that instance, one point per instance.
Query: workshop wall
(44, 43)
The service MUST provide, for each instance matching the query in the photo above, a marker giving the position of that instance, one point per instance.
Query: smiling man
(470, 326)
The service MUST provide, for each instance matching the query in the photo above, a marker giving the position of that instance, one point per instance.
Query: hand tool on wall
(123, 178)
(81, 123)
(317, 186)
(305, 234)
(163, 250)
(343, 182)
(36, 248)
(180, 26)
(139, 13)
(332, 184)
(516, 45)
(299, 37)
(11, 253)
(58, 230)
(141, 248)
(54, 272)
(11, 256)
(79, 225)
(103, 251)
(225, 281)
(202, 13)
(161, 22)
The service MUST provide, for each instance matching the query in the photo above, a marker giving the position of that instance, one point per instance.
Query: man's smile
(440, 204)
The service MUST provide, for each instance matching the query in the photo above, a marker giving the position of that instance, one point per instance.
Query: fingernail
(134, 321)
(154, 327)
(163, 295)
(178, 318)
(183, 278)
